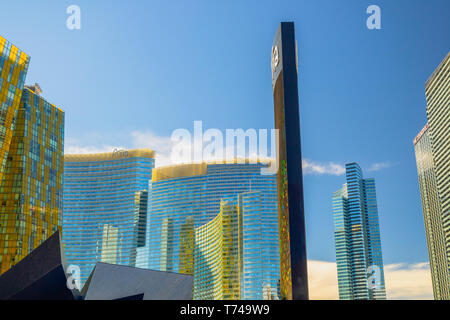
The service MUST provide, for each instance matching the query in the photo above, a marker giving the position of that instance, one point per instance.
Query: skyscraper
(105, 207)
(32, 180)
(13, 71)
(185, 200)
(432, 147)
(357, 238)
(31, 155)
(291, 216)
(432, 216)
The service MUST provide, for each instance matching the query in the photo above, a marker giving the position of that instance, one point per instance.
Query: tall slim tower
(291, 220)
(432, 216)
(357, 238)
(432, 148)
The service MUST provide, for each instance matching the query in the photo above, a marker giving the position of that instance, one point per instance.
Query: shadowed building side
(292, 238)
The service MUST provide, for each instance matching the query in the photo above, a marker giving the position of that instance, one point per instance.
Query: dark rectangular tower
(293, 271)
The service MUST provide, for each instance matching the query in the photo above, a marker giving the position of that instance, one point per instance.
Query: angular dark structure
(293, 270)
(115, 282)
(39, 276)
(42, 275)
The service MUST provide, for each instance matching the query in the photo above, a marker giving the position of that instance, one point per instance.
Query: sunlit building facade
(432, 216)
(13, 71)
(218, 256)
(357, 238)
(105, 203)
(432, 147)
(31, 188)
(185, 200)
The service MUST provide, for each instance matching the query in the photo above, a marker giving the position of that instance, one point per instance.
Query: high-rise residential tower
(291, 216)
(432, 147)
(357, 238)
(105, 203)
(432, 216)
(188, 224)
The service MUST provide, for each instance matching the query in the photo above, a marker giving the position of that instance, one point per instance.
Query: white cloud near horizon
(163, 146)
(403, 281)
(379, 166)
(331, 168)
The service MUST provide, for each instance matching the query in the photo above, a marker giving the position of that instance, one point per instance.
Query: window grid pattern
(176, 199)
(432, 216)
(357, 237)
(103, 202)
(31, 188)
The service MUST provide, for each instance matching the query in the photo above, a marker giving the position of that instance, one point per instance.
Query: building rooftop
(115, 155)
(421, 133)
(196, 169)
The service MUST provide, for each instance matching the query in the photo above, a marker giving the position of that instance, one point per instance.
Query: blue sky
(141, 69)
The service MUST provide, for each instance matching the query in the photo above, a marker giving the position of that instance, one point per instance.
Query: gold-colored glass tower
(217, 256)
(32, 143)
(432, 148)
(13, 70)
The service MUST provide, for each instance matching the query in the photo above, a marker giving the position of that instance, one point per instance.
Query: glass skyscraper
(217, 256)
(105, 203)
(432, 147)
(13, 71)
(187, 219)
(357, 238)
(31, 155)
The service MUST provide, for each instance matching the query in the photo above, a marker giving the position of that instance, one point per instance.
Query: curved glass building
(218, 256)
(104, 205)
(184, 199)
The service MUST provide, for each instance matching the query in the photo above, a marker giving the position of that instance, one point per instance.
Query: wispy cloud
(163, 146)
(403, 281)
(75, 146)
(160, 144)
(379, 166)
(331, 168)
(137, 139)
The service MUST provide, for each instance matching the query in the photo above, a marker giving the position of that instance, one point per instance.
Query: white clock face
(275, 58)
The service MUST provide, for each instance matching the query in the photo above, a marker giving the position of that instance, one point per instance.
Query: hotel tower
(105, 207)
(217, 221)
(432, 148)
(31, 155)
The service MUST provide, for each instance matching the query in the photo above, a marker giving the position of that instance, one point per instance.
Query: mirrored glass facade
(185, 198)
(105, 202)
(13, 71)
(31, 188)
(357, 238)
